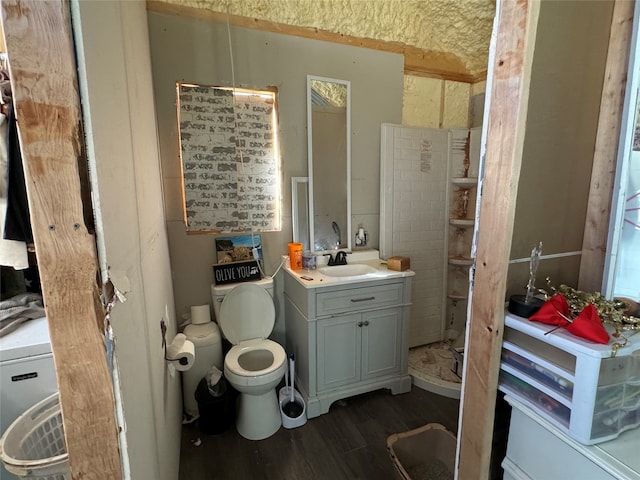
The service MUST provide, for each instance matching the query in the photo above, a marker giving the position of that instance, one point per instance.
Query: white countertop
(315, 278)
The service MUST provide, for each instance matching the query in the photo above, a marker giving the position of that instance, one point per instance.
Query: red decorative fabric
(587, 324)
(548, 312)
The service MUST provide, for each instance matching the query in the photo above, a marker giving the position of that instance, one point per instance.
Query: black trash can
(217, 411)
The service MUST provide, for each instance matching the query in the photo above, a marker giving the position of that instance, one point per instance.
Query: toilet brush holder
(284, 398)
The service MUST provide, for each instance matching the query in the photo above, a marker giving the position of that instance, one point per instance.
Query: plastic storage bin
(575, 384)
(428, 452)
(33, 446)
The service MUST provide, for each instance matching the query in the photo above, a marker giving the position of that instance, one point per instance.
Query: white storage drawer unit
(537, 450)
(576, 384)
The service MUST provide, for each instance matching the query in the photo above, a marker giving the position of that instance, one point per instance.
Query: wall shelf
(455, 296)
(464, 160)
(464, 180)
(465, 262)
(462, 222)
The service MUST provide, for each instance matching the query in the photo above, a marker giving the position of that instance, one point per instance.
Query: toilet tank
(218, 292)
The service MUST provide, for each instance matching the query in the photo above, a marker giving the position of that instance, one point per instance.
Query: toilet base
(258, 415)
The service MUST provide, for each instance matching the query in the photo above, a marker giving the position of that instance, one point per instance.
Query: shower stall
(429, 184)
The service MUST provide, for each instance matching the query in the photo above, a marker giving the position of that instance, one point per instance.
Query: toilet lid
(247, 312)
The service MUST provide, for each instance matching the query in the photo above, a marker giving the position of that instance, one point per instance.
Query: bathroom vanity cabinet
(348, 338)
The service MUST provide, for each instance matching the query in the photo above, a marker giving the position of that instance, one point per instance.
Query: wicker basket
(426, 453)
(33, 446)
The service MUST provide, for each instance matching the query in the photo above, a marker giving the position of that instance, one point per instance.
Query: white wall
(117, 98)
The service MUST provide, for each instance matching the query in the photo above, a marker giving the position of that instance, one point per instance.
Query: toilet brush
(292, 370)
(292, 409)
(284, 391)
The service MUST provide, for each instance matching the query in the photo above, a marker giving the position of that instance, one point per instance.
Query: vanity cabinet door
(381, 342)
(339, 351)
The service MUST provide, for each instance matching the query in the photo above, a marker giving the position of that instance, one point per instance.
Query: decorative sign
(236, 272)
(230, 160)
(236, 262)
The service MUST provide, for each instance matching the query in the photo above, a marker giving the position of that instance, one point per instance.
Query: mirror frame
(296, 183)
(347, 84)
(623, 166)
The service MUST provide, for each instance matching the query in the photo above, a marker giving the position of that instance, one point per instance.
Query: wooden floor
(347, 443)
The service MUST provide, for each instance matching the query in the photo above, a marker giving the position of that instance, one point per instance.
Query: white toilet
(255, 365)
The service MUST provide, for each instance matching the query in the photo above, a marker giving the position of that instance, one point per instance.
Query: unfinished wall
(458, 30)
(458, 33)
(566, 84)
(434, 103)
(185, 49)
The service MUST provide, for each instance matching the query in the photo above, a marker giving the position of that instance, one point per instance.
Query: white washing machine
(27, 372)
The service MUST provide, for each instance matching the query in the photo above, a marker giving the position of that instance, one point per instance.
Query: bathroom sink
(353, 270)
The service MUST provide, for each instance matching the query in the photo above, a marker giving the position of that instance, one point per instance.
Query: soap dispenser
(361, 237)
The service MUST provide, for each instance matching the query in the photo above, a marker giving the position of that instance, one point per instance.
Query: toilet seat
(248, 371)
(246, 313)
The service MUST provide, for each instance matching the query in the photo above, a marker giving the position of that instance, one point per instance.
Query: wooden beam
(509, 96)
(417, 61)
(40, 47)
(596, 229)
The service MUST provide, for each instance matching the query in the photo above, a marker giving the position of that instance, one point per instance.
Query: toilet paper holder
(182, 361)
(163, 330)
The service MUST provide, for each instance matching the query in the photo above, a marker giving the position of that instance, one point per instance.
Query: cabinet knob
(366, 323)
(360, 324)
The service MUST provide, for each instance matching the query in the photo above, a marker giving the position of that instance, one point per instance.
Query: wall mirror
(329, 153)
(300, 210)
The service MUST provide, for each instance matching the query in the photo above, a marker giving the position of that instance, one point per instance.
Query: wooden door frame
(596, 231)
(509, 77)
(39, 42)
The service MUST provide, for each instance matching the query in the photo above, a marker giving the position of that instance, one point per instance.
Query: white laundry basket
(33, 446)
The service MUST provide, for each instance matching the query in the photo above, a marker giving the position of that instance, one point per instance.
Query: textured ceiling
(461, 28)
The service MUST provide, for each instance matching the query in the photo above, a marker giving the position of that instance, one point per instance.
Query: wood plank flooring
(347, 443)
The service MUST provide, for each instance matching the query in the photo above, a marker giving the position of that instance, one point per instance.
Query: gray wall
(564, 104)
(197, 51)
(122, 146)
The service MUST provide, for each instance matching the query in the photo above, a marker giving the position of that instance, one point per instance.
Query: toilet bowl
(255, 365)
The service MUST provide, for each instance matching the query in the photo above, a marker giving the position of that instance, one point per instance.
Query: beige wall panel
(185, 49)
(560, 271)
(559, 142)
(128, 199)
(422, 101)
